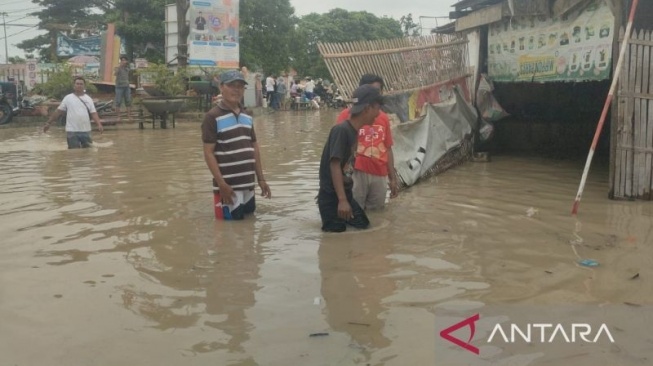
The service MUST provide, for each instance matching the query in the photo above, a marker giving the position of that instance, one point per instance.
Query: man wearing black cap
(335, 199)
(231, 151)
(374, 170)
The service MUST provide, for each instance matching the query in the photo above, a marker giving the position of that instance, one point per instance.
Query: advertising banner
(213, 37)
(577, 47)
(67, 47)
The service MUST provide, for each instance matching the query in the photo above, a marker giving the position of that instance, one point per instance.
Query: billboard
(67, 47)
(577, 47)
(213, 36)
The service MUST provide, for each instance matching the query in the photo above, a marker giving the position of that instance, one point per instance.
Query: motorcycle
(8, 112)
(335, 100)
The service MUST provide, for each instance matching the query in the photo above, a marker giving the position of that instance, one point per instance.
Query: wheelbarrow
(160, 108)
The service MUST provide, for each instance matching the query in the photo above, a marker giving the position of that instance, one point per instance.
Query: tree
(182, 31)
(59, 15)
(16, 60)
(141, 24)
(409, 27)
(266, 32)
(336, 26)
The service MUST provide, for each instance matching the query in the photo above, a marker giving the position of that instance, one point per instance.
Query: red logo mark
(469, 322)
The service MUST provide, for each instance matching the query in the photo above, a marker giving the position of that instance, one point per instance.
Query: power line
(15, 20)
(22, 10)
(15, 2)
(13, 34)
(22, 25)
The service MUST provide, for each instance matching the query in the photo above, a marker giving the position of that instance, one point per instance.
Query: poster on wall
(577, 47)
(32, 73)
(213, 33)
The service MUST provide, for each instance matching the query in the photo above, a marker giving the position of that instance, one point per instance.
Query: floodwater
(111, 255)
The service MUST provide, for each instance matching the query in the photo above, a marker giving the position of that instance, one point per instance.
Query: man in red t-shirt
(374, 166)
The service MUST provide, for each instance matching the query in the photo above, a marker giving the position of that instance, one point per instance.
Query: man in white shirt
(79, 110)
(309, 88)
(270, 86)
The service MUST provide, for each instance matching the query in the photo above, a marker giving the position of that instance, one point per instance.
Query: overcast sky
(426, 9)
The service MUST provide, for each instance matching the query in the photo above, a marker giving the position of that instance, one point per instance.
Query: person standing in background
(258, 86)
(123, 91)
(79, 110)
(282, 91)
(270, 86)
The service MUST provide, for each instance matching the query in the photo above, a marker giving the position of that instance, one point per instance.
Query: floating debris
(588, 263)
(318, 334)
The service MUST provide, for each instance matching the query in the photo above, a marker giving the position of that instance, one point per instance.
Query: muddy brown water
(111, 256)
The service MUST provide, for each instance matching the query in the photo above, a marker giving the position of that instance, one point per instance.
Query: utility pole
(4, 24)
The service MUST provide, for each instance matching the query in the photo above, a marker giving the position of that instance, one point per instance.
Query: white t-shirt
(77, 118)
(269, 84)
(310, 85)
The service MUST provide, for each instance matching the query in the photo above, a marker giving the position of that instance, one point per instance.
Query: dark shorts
(78, 140)
(328, 205)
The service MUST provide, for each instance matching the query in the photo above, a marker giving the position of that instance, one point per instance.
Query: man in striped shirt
(231, 152)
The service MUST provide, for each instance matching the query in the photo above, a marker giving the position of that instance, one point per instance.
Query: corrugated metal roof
(445, 29)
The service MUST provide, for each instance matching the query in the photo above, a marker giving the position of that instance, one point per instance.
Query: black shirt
(340, 145)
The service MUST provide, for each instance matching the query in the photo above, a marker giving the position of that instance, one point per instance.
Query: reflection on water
(112, 254)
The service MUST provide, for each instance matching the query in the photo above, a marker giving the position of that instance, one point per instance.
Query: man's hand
(46, 127)
(265, 189)
(100, 128)
(394, 188)
(344, 210)
(226, 193)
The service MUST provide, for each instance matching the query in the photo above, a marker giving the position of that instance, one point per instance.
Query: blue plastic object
(588, 263)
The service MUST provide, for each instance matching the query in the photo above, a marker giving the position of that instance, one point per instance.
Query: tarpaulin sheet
(421, 143)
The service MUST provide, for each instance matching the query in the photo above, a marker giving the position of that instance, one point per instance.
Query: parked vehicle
(335, 100)
(6, 111)
(8, 101)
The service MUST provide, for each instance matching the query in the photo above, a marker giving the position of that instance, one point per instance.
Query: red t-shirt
(374, 142)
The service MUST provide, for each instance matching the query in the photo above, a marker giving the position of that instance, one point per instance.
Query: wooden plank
(649, 123)
(641, 42)
(614, 121)
(628, 126)
(642, 95)
(395, 50)
(620, 160)
(637, 132)
(643, 115)
(483, 16)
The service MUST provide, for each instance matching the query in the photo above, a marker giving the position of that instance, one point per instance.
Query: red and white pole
(606, 106)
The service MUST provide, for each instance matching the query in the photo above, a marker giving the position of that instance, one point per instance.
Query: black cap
(364, 96)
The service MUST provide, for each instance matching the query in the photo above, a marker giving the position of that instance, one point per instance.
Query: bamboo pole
(606, 106)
